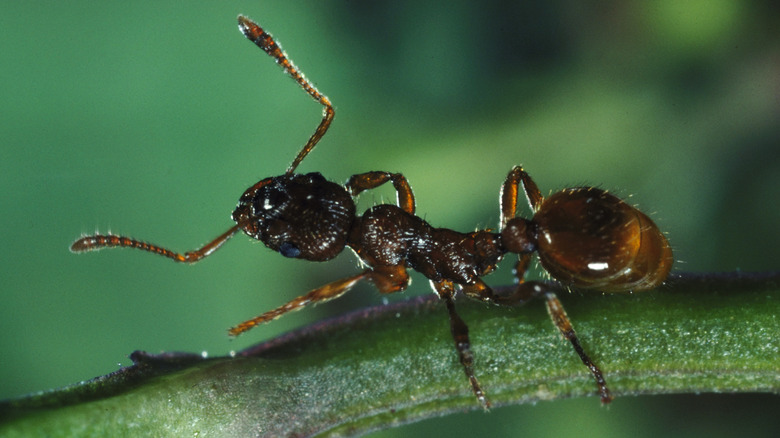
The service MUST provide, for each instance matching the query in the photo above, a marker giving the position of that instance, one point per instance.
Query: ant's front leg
(387, 279)
(370, 180)
(460, 333)
(319, 295)
(528, 290)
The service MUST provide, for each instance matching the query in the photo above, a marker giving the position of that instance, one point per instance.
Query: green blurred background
(151, 120)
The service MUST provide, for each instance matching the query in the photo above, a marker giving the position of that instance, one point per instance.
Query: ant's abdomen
(590, 239)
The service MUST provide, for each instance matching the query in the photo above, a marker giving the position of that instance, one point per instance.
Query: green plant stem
(395, 364)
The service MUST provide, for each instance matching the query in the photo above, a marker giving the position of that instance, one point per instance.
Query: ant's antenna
(265, 41)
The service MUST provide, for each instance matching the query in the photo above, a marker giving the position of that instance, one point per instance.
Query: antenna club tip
(83, 244)
(90, 243)
(249, 28)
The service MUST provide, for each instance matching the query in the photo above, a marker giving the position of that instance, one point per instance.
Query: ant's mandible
(585, 238)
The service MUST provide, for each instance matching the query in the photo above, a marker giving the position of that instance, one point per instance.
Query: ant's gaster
(585, 238)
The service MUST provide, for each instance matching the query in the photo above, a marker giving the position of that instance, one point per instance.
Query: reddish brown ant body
(585, 238)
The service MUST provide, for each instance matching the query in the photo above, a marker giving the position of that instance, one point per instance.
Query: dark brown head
(300, 216)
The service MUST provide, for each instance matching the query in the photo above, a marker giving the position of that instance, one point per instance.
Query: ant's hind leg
(460, 333)
(528, 290)
(370, 180)
(509, 193)
(561, 320)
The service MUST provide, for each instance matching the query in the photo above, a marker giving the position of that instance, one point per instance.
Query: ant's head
(300, 216)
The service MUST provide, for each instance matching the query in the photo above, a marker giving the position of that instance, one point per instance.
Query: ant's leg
(370, 180)
(390, 279)
(509, 192)
(460, 333)
(386, 278)
(322, 294)
(561, 320)
(526, 291)
(100, 241)
(482, 292)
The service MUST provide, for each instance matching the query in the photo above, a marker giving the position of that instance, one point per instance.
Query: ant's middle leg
(482, 292)
(370, 180)
(460, 333)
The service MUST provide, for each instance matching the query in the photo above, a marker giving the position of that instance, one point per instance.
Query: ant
(584, 237)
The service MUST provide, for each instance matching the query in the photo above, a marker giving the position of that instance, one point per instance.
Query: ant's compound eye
(288, 249)
(315, 178)
(272, 200)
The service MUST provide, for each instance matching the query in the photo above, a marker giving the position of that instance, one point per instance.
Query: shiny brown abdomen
(588, 238)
